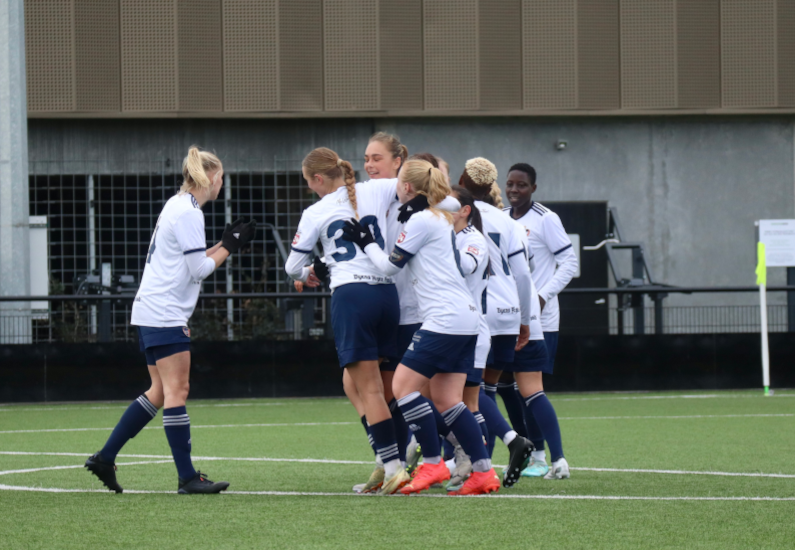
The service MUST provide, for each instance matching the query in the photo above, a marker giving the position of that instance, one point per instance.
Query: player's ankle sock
(448, 451)
(533, 430)
(544, 413)
(539, 456)
(137, 415)
(418, 414)
(463, 424)
(513, 405)
(384, 437)
(177, 425)
(482, 465)
(490, 390)
(510, 436)
(369, 435)
(401, 429)
(483, 428)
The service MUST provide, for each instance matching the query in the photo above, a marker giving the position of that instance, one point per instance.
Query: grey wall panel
(97, 65)
(350, 50)
(199, 54)
(301, 55)
(250, 55)
(400, 47)
(149, 55)
(648, 54)
(786, 53)
(549, 47)
(49, 52)
(698, 53)
(598, 54)
(500, 37)
(451, 54)
(748, 48)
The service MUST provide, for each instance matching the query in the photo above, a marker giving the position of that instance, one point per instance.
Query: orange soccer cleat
(480, 483)
(425, 476)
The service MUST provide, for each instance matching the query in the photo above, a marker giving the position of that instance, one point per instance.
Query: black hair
(527, 169)
(466, 198)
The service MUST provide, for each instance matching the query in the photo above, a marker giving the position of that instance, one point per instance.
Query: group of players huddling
(441, 298)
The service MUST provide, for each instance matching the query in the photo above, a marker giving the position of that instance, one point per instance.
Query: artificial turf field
(664, 470)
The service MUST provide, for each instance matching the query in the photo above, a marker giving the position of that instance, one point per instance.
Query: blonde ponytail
(429, 181)
(496, 196)
(195, 168)
(326, 162)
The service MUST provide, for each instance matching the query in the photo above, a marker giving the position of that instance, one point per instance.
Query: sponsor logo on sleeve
(528, 231)
(473, 250)
(296, 238)
(396, 256)
(401, 237)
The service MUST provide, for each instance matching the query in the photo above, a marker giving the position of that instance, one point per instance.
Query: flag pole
(761, 280)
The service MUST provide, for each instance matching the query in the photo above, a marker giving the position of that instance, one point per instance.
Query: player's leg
(507, 390)
(463, 463)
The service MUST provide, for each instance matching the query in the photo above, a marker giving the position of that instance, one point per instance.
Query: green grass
(619, 431)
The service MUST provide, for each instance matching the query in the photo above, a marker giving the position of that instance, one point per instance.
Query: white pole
(765, 349)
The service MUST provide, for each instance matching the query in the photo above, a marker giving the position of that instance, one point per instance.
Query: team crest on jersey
(296, 238)
(186, 331)
(401, 237)
(473, 250)
(528, 231)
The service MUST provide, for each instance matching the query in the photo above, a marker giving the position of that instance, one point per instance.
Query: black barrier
(117, 371)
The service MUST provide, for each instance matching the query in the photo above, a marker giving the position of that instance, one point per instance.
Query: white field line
(298, 424)
(192, 427)
(74, 466)
(351, 494)
(167, 459)
(65, 407)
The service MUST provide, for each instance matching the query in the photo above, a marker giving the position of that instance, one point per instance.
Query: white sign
(778, 237)
(575, 244)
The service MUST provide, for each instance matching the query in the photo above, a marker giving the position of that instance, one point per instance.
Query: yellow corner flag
(761, 265)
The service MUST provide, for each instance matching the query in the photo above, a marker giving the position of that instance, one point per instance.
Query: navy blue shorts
(551, 338)
(474, 377)
(431, 353)
(531, 358)
(503, 348)
(160, 342)
(404, 334)
(365, 321)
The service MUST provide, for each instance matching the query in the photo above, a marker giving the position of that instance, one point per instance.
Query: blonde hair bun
(481, 171)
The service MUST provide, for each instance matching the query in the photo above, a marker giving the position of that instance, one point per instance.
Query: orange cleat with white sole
(425, 476)
(480, 483)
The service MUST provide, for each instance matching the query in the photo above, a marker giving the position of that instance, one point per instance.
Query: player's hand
(355, 232)
(311, 280)
(299, 286)
(542, 302)
(319, 269)
(238, 234)
(524, 337)
(417, 204)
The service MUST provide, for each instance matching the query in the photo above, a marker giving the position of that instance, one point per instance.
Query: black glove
(321, 269)
(238, 235)
(355, 232)
(417, 204)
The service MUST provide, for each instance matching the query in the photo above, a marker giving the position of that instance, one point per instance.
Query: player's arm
(298, 262)
(558, 242)
(471, 256)
(189, 231)
(409, 242)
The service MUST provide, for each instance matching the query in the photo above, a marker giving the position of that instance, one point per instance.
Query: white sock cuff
(452, 414)
(536, 395)
(510, 436)
(408, 398)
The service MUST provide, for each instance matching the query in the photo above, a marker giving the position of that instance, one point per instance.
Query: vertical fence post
(791, 300)
(230, 305)
(92, 246)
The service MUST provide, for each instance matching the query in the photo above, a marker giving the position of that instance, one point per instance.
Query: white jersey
(325, 219)
(427, 247)
(474, 252)
(404, 283)
(504, 311)
(169, 292)
(554, 261)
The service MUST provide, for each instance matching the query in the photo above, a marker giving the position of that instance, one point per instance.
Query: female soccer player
(177, 262)
(364, 303)
(444, 348)
(511, 310)
(555, 264)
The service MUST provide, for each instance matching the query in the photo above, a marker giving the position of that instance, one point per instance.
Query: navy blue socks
(177, 425)
(539, 407)
(533, 429)
(401, 429)
(514, 406)
(384, 439)
(418, 413)
(483, 428)
(466, 430)
(496, 424)
(137, 415)
(369, 435)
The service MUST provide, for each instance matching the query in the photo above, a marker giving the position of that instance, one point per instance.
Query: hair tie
(339, 162)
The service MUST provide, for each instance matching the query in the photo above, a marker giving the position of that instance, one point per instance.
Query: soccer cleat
(375, 481)
(105, 471)
(559, 470)
(201, 485)
(536, 468)
(520, 450)
(426, 476)
(479, 483)
(463, 467)
(398, 480)
(413, 455)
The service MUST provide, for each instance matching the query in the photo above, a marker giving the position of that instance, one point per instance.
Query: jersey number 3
(370, 222)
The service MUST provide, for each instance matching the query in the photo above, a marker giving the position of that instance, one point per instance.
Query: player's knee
(155, 396)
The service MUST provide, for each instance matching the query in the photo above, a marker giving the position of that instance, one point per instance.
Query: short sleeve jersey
(168, 293)
(325, 219)
(445, 302)
(547, 238)
(504, 311)
(404, 283)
